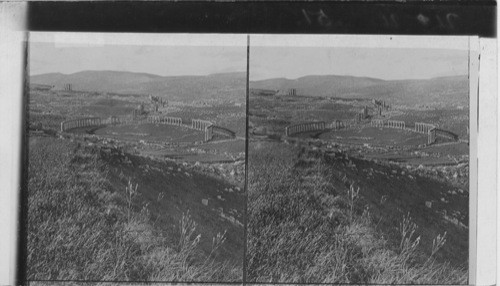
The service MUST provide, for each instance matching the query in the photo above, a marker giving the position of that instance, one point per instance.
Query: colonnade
(423, 127)
(114, 120)
(81, 122)
(304, 127)
(396, 124)
(431, 136)
(377, 123)
(200, 124)
(165, 120)
(337, 124)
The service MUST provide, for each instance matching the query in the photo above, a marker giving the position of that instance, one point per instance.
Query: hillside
(101, 214)
(443, 92)
(224, 86)
(326, 217)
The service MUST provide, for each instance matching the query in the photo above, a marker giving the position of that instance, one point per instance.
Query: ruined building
(363, 114)
(68, 87)
(289, 92)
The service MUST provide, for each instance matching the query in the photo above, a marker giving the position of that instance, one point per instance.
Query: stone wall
(445, 134)
(216, 132)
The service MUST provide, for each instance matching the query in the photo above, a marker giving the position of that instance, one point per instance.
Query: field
(376, 136)
(151, 132)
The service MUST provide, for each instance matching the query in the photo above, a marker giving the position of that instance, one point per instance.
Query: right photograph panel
(358, 160)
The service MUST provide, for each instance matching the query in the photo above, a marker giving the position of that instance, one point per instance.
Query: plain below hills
(441, 92)
(221, 86)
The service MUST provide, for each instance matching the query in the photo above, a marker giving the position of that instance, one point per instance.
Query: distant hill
(443, 91)
(223, 86)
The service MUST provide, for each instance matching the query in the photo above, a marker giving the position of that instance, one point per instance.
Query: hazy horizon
(378, 63)
(153, 74)
(157, 60)
(265, 62)
(244, 72)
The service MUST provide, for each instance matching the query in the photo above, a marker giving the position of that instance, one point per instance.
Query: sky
(210, 54)
(160, 60)
(382, 63)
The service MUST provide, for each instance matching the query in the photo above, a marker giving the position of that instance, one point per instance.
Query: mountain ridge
(223, 86)
(444, 91)
(450, 91)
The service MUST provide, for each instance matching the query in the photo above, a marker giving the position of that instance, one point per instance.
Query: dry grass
(81, 228)
(306, 225)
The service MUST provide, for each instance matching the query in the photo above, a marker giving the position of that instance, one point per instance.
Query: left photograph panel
(136, 153)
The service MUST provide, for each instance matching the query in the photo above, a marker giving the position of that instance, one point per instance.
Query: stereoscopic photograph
(358, 160)
(136, 156)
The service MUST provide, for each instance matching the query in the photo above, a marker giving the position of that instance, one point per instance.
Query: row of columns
(113, 120)
(389, 123)
(337, 124)
(304, 127)
(79, 123)
(200, 124)
(377, 123)
(431, 136)
(423, 127)
(396, 124)
(209, 133)
(165, 120)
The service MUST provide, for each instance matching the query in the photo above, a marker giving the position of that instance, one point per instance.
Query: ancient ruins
(424, 128)
(304, 127)
(211, 130)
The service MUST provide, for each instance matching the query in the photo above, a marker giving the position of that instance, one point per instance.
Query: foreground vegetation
(309, 224)
(81, 228)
